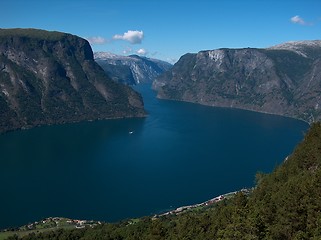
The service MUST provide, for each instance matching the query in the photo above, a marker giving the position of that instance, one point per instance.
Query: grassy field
(47, 224)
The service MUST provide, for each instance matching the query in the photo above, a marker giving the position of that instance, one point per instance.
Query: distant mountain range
(131, 69)
(51, 78)
(284, 79)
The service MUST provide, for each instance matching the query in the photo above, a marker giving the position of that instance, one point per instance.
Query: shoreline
(239, 108)
(47, 224)
(209, 202)
(72, 122)
(73, 223)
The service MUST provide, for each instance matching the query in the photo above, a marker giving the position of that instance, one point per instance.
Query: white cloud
(141, 51)
(134, 37)
(127, 50)
(298, 20)
(97, 40)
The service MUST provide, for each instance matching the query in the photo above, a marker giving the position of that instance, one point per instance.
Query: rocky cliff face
(51, 78)
(131, 69)
(284, 80)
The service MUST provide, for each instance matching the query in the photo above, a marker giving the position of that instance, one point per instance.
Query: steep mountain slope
(284, 80)
(51, 77)
(131, 69)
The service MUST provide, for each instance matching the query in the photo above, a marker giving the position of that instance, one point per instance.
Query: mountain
(51, 78)
(285, 204)
(131, 69)
(284, 79)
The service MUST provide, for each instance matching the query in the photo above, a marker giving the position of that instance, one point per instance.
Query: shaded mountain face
(131, 69)
(283, 80)
(51, 78)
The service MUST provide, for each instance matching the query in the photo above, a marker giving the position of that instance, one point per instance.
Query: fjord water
(180, 154)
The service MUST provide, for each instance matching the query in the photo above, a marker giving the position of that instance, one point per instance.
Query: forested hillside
(285, 204)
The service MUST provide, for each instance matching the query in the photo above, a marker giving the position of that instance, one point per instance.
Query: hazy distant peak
(102, 55)
(135, 56)
(118, 67)
(115, 57)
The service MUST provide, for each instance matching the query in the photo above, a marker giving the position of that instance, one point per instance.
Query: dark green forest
(285, 204)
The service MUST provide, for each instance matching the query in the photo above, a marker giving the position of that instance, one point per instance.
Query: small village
(203, 204)
(51, 223)
(56, 222)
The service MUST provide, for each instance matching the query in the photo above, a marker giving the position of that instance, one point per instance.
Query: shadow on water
(180, 154)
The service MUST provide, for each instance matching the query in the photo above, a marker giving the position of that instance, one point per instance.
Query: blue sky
(167, 29)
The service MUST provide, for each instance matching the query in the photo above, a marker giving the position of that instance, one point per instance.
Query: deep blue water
(180, 154)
